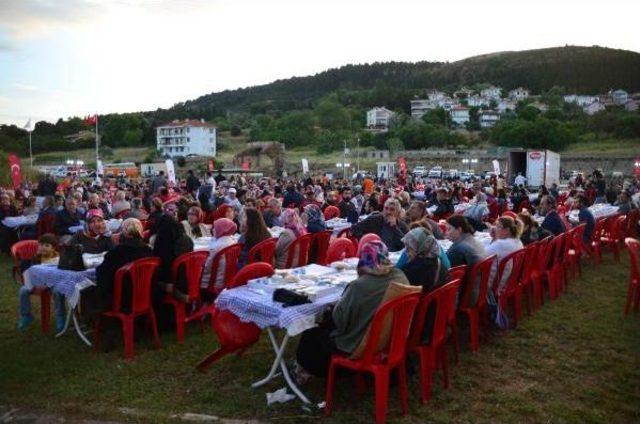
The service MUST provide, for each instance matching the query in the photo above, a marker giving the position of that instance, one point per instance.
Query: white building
(420, 106)
(593, 108)
(580, 100)
(491, 93)
(619, 97)
(435, 95)
(631, 106)
(379, 117)
(188, 137)
(477, 101)
(488, 118)
(459, 115)
(519, 94)
(506, 106)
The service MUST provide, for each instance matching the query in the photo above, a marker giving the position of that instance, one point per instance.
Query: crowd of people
(154, 217)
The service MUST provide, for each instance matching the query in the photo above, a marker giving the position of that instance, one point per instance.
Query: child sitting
(47, 254)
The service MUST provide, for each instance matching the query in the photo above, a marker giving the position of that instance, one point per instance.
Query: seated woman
(131, 247)
(465, 250)
(121, 206)
(223, 231)
(351, 316)
(531, 230)
(506, 240)
(193, 225)
(315, 218)
(94, 238)
(423, 266)
(170, 241)
(293, 228)
(253, 230)
(47, 254)
(444, 259)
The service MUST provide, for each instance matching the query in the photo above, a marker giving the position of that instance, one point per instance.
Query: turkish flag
(14, 167)
(91, 119)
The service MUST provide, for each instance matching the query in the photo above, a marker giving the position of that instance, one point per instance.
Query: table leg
(66, 322)
(76, 324)
(279, 362)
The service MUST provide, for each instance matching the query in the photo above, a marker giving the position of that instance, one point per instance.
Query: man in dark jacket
(386, 224)
(552, 221)
(292, 197)
(443, 204)
(67, 217)
(193, 183)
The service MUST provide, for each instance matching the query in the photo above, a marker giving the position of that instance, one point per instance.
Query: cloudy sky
(60, 58)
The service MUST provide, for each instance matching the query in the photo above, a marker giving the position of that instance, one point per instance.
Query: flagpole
(30, 151)
(97, 154)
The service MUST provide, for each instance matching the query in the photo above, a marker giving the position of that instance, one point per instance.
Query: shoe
(60, 321)
(24, 322)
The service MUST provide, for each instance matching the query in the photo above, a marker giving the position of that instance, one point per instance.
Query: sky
(62, 58)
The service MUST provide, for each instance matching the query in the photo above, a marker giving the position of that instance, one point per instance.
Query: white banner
(496, 167)
(171, 172)
(305, 166)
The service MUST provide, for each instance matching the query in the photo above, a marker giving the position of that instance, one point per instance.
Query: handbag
(71, 258)
(289, 298)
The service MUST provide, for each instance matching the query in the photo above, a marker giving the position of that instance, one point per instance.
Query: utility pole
(344, 160)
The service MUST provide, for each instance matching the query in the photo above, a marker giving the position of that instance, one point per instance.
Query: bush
(181, 161)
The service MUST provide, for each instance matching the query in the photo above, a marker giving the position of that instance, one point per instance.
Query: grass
(609, 146)
(576, 360)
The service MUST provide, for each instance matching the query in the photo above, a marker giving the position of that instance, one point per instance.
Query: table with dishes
(19, 221)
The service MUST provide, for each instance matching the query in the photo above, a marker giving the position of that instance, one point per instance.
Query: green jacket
(359, 302)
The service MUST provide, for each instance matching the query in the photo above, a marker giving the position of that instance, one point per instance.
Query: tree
(332, 116)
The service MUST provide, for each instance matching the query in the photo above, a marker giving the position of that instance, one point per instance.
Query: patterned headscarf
(224, 227)
(131, 227)
(422, 243)
(291, 221)
(374, 258)
(314, 215)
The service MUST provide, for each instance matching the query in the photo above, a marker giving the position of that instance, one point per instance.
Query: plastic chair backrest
(331, 212)
(633, 247)
(457, 272)
(402, 309)
(301, 247)
(531, 256)
(618, 228)
(444, 300)
(556, 246)
(339, 249)
(366, 238)
(24, 250)
(141, 273)
(321, 245)
(263, 251)
(230, 255)
(516, 260)
(479, 273)
(251, 271)
(192, 264)
(510, 214)
(577, 241)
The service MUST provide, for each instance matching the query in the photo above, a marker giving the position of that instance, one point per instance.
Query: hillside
(577, 69)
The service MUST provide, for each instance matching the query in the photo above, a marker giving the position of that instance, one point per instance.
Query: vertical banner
(305, 166)
(402, 164)
(100, 168)
(245, 166)
(496, 167)
(171, 171)
(14, 167)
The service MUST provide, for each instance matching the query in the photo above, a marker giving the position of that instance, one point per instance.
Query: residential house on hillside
(420, 106)
(619, 97)
(631, 106)
(593, 108)
(488, 118)
(519, 94)
(505, 105)
(459, 115)
(580, 100)
(540, 106)
(477, 101)
(491, 93)
(379, 117)
(188, 137)
(436, 95)
(463, 93)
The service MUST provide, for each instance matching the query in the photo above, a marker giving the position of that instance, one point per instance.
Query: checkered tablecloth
(67, 283)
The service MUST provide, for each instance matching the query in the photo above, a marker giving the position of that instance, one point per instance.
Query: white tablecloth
(598, 210)
(19, 221)
(67, 283)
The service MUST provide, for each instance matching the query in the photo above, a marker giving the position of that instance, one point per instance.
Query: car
(435, 172)
(419, 171)
(453, 173)
(466, 176)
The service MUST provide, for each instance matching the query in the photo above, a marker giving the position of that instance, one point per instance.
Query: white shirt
(520, 180)
(502, 248)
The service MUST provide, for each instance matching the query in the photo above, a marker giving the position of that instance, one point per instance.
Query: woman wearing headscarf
(170, 240)
(423, 266)
(315, 219)
(293, 228)
(193, 225)
(223, 231)
(94, 238)
(352, 315)
(253, 230)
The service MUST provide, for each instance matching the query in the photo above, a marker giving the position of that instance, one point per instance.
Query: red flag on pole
(14, 166)
(91, 119)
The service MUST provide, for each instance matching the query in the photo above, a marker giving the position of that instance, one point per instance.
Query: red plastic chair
(141, 274)
(633, 293)
(595, 246)
(510, 214)
(577, 250)
(299, 247)
(479, 275)
(233, 334)
(320, 245)
(443, 299)
(455, 273)
(263, 251)
(45, 225)
(191, 264)
(146, 235)
(525, 285)
(25, 250)
(340, 249)
(633, 223)
(346, 233)
(511, 291)
(380, 364)
(230, 255)
(614, 234)
(331, 212)
(365, 239)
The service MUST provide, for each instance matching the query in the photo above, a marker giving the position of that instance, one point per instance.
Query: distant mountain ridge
(582, 70)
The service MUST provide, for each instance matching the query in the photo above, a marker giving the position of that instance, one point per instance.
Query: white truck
(540, 167)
